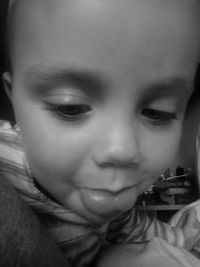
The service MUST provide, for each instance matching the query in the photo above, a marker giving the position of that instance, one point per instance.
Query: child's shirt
(79, 240)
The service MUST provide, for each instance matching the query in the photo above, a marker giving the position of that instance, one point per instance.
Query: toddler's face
(99, 90)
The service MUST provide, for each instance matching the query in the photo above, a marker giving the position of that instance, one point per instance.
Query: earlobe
(7, 82)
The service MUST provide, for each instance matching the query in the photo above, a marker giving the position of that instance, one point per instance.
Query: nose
(118, 146)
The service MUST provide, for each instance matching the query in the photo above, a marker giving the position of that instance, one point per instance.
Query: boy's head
(99, 89)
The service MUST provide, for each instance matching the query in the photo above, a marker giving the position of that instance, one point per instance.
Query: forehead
(22, 9)
(97, 29)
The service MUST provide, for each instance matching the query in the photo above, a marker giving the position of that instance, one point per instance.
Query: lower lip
(106, 204)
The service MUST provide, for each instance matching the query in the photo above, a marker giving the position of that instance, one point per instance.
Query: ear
(7, 82)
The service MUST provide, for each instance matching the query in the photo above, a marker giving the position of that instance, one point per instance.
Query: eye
(158, 116)
(69, 111)
(72, 110)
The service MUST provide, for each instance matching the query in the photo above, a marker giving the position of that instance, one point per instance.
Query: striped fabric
(79, 240)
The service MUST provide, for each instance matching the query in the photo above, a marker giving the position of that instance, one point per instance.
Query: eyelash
(73, 112)
(69, 112)
(159, 117)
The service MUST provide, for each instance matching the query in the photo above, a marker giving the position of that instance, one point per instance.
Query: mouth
(106, 204)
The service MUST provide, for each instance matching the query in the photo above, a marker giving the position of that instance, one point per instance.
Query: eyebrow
(44, 78)
(181, 87)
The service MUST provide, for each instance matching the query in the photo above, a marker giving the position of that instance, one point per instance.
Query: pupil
(71, 110)
(151, 113)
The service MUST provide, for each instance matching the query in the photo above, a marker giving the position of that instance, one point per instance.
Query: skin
(99, 90)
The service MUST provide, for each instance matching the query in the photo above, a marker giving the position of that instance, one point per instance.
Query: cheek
(55, 150)
(160, 153)
(166, 150)
(162, 147)
(53, 153)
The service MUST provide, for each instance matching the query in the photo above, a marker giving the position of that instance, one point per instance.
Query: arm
(23, 240)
